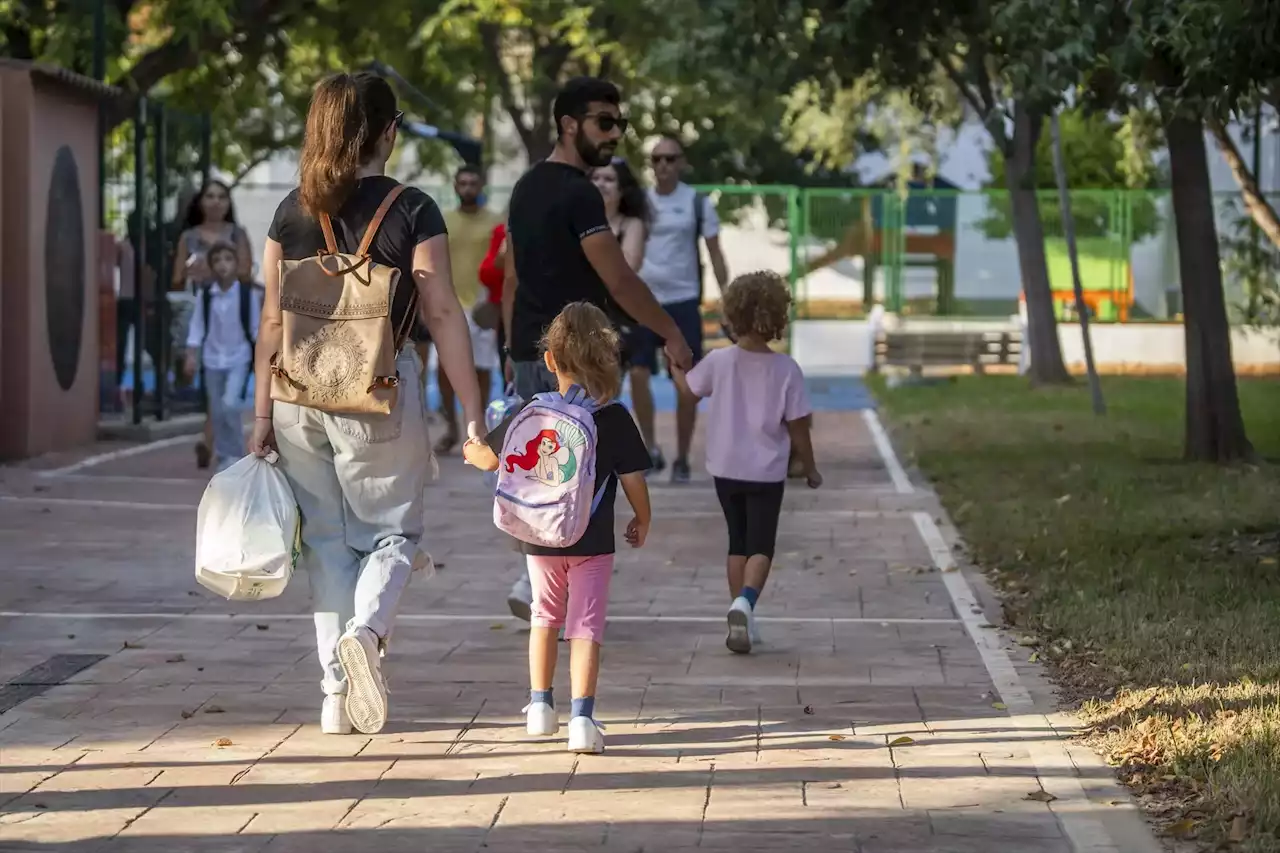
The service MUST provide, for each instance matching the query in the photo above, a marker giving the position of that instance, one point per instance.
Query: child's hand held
(469, 446)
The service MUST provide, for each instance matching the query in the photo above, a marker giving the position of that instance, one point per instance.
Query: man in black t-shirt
(560, 239)
(563, 250)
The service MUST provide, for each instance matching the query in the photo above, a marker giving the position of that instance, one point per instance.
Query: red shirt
(491, 272)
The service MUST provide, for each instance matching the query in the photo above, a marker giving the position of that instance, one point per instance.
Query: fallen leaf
(1040, 797)
(1267, 561)
(1239, 828)
(175, 659)
(496, 626)
(71, 636)
(222, 741)
(1182, 827)
(214, 709)
(902, 741)
(999, 706)
(1035, 657)
(262, 627)
(835, 737)
(186, 715)
(832, 785)
(1060, 501)
(808, 709)
(1027, 640)
(129, 645)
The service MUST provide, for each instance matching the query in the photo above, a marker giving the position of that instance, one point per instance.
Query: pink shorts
(573, 592)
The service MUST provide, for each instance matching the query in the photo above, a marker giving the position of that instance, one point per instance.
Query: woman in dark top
(359, 479)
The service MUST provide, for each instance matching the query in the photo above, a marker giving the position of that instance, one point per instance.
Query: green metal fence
(945, 252)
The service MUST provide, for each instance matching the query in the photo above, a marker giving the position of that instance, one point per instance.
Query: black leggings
(751, 510)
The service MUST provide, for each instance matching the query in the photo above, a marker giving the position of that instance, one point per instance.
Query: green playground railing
(952, 253)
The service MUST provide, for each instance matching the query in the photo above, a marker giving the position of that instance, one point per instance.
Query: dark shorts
(751, 511)
(641, 345)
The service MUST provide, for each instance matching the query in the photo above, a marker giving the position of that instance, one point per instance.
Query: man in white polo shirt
(681, 219)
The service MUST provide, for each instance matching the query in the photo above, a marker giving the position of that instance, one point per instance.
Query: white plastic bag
(247, 531)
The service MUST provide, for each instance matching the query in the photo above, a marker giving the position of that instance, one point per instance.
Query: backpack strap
(206, 298)
(246, 296)
(376, 222)
(599, 495)
(326, 225)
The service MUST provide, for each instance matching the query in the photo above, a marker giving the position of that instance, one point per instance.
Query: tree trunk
(1256, 203)
(1047, 366)
(1215, 429)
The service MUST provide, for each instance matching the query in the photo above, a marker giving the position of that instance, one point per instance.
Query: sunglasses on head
(607, 121)
(664, 158)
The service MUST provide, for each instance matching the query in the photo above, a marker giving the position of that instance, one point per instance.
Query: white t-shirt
(671, 255)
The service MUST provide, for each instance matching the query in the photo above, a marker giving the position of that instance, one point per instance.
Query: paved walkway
(881, 715)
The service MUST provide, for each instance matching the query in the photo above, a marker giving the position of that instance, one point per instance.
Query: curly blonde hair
(758, 304)
(584, 345)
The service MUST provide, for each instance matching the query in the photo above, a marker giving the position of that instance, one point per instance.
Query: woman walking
(210, 220)
(359, 478)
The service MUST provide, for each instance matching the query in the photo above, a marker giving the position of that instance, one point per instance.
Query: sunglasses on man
(655, 159)
(607, 121)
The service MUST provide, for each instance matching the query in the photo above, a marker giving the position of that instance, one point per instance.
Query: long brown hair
(347, 115)
(585, 347)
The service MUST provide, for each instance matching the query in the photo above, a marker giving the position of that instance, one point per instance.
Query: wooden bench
(918, 349)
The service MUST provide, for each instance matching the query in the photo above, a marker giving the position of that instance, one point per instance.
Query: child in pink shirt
(759, 408)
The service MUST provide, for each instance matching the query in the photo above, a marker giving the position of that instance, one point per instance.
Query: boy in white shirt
(222, 333)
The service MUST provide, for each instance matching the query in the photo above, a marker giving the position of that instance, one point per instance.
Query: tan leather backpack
(339, 349)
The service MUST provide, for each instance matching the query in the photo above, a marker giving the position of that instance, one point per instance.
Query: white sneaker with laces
(740, 627)
(366, 691)
(586, 736)
(520, 599)
(333, 715)
(540, 719)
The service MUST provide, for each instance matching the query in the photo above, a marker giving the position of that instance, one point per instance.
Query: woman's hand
(263, 438)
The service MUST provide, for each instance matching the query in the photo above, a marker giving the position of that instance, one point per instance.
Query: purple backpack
(546, 492)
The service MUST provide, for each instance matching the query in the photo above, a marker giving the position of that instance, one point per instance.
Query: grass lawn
(1152, 586)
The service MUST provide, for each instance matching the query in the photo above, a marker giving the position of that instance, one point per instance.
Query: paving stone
(785, 749)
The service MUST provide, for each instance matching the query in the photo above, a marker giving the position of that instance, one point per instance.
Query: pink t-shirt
(752, 396)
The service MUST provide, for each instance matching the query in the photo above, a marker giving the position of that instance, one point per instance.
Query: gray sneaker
(520, 599)
(680, 472)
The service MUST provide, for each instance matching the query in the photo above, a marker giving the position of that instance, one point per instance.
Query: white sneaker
(755, 631)
(739, 639)
(333, 716)
(520, 599)
(541, 719)
(366, 691)
(586, 736)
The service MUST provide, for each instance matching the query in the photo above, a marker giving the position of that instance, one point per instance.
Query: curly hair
(584, 345)
(758, 304)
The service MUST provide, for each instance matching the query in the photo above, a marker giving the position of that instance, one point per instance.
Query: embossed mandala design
(331, 362)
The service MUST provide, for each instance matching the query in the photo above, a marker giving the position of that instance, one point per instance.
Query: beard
(594, 155)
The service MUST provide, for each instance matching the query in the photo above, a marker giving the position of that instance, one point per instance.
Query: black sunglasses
(607, 121)
(398, 121)
(664, 158)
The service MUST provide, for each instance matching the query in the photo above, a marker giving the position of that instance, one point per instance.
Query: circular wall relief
(64, 268)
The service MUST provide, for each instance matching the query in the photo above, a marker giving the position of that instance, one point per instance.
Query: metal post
(139, 250)
(164, 346)
(100, 74)
(206, 149)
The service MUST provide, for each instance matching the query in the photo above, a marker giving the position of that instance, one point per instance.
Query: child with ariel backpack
(560, 458)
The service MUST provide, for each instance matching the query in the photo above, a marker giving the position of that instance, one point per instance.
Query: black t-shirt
(619, 450)
(413, 218)
(554, 207)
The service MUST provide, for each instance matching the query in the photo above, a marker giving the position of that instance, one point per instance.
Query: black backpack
(246, 294)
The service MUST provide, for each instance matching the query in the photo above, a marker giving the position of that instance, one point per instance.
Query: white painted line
(1056, 771)
(456, 617)
(111, 456)
(87, 502)
(901, 483)
(107, 479)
